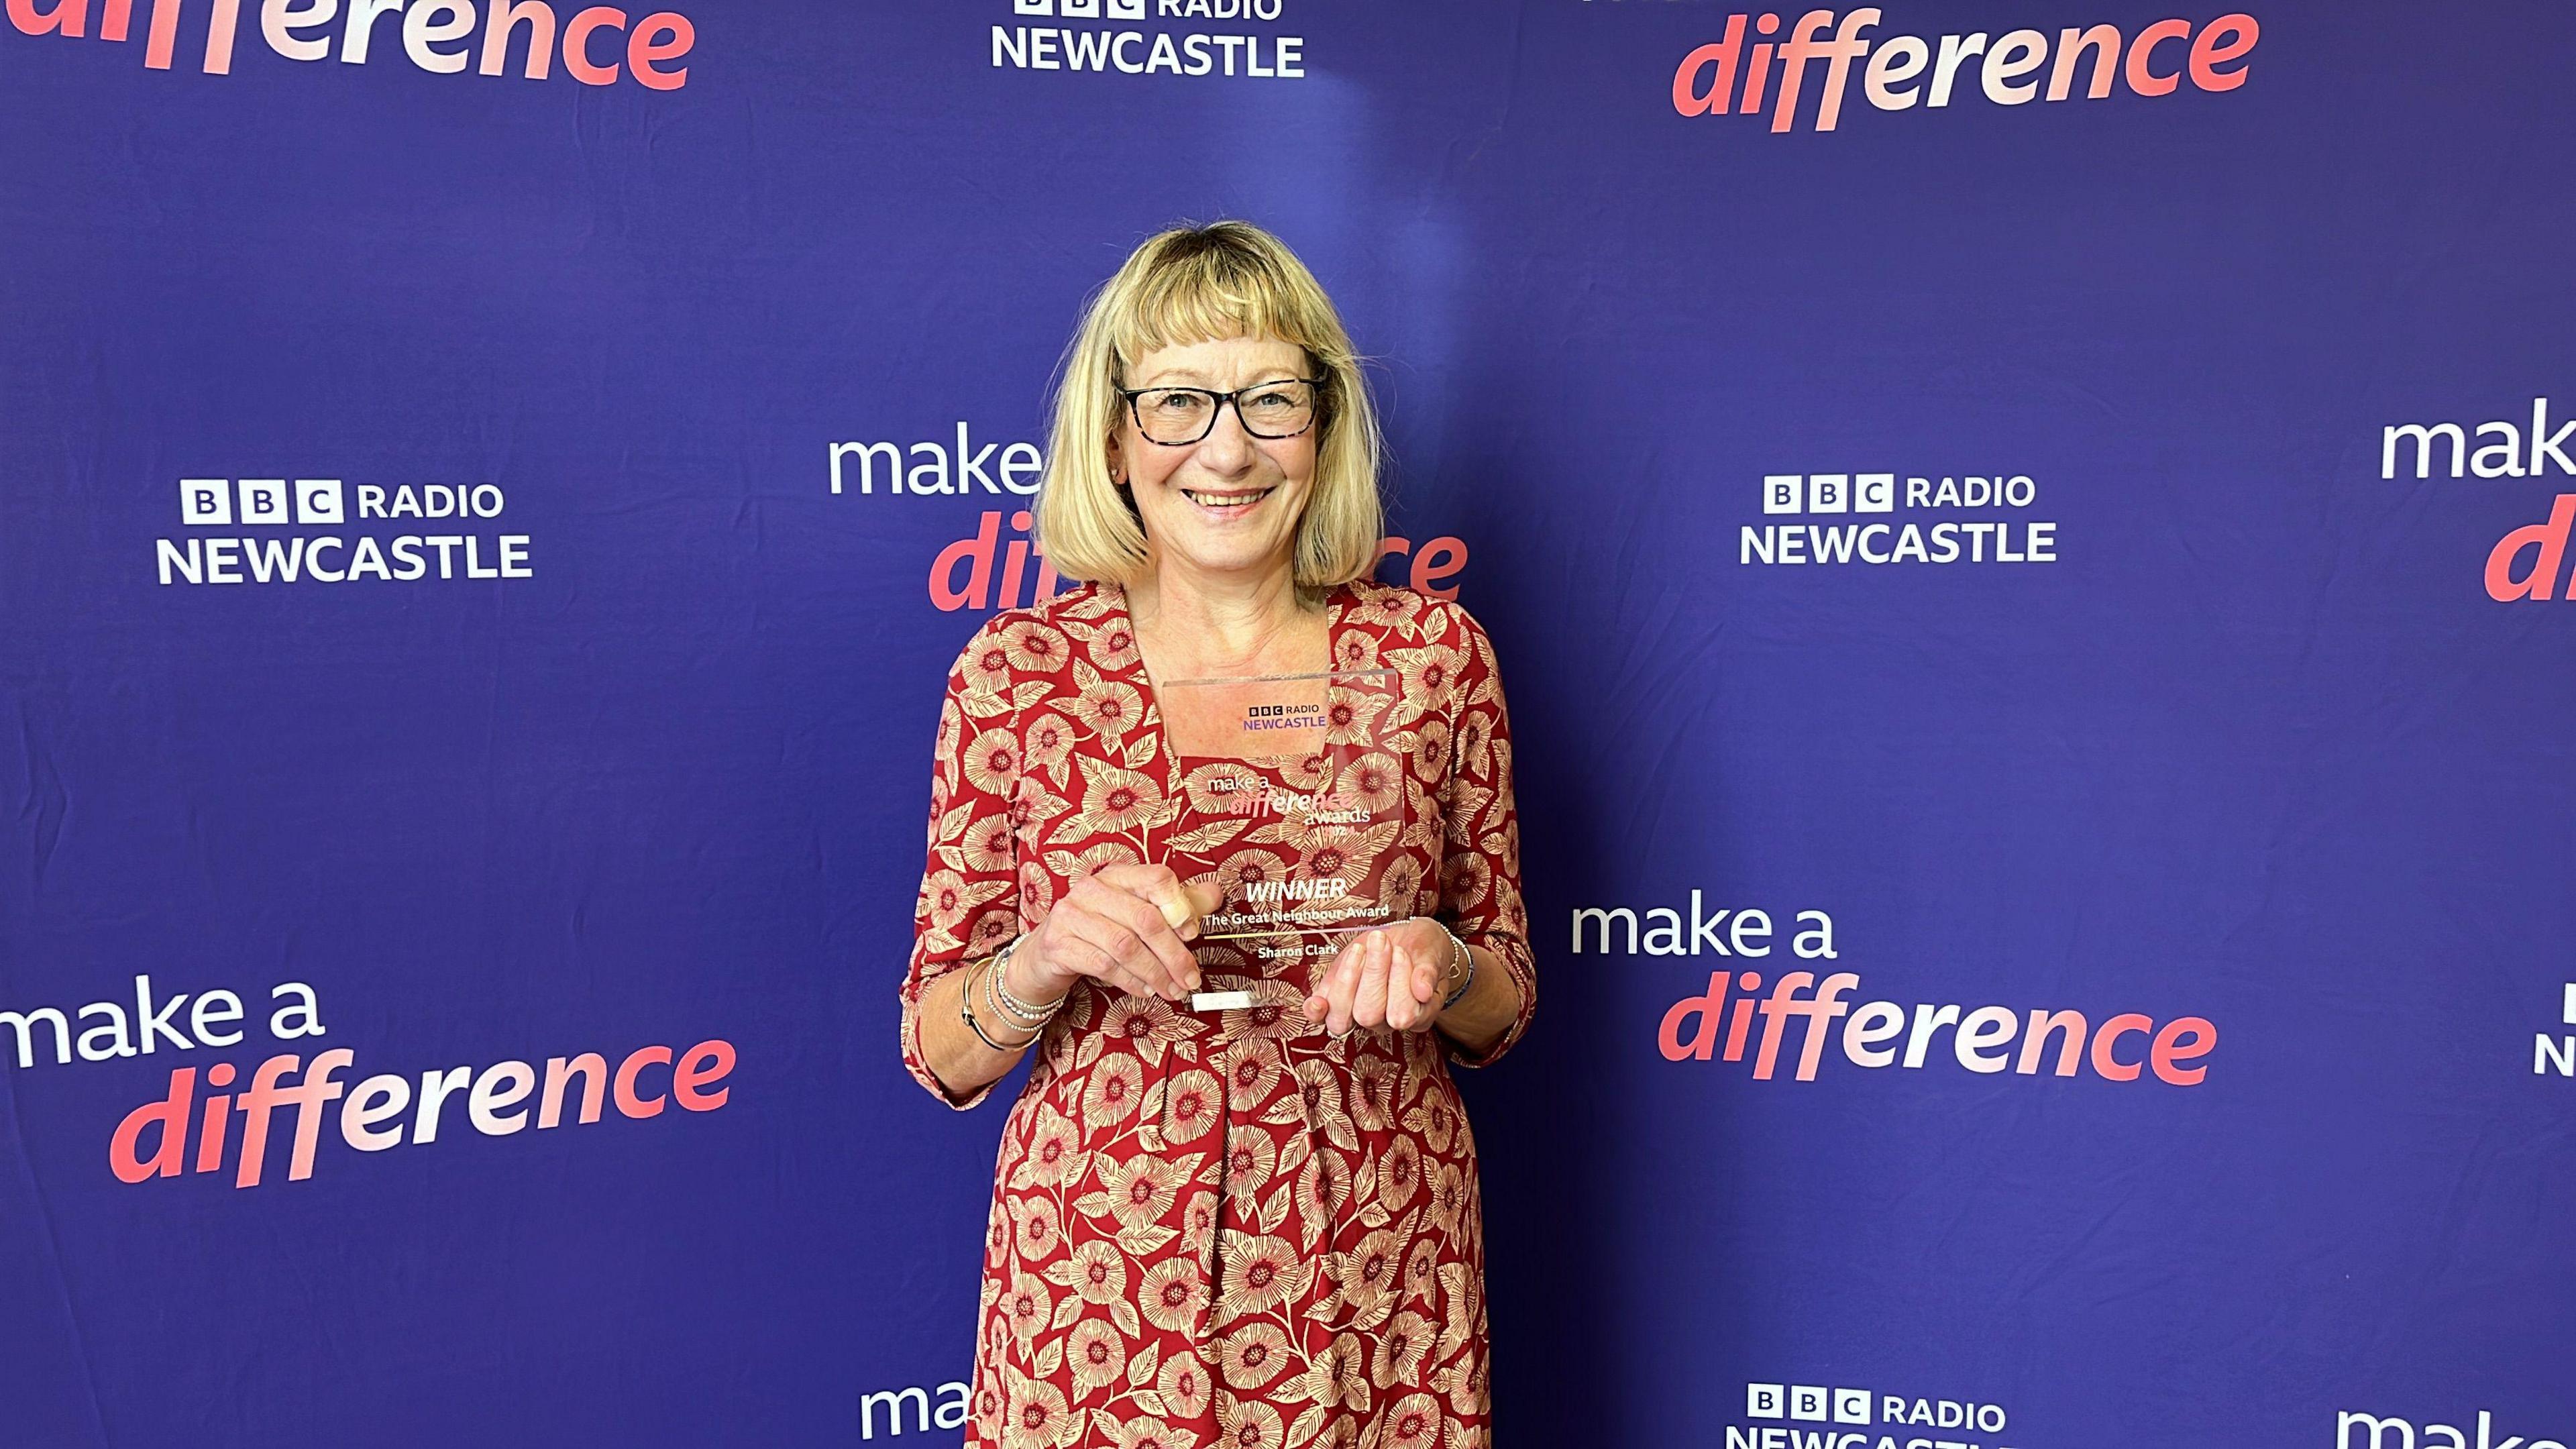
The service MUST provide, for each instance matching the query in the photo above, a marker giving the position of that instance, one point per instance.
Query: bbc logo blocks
(1082, 9)
(208, 502)
(1829, 493)
(1809, 1403)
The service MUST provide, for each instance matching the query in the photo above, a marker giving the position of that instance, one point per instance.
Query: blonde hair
(1204, 284)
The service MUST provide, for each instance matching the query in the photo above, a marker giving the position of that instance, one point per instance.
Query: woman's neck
(1191, 624)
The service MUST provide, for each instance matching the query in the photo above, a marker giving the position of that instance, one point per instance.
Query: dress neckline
(1336, 612)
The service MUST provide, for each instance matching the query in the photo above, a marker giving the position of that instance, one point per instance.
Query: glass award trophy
(1292, 800)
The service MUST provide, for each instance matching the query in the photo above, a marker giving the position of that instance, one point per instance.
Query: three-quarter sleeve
(969, 903)
(1480, 872)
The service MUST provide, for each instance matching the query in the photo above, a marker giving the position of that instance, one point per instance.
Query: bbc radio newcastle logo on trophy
(1893, 518)
(1214, 39)
(319, 531)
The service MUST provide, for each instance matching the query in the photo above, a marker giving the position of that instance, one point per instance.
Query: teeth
(1226, 500)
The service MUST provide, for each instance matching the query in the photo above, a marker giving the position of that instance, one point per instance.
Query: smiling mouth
(1225, 502)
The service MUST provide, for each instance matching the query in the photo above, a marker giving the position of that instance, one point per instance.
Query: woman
(1254, 1226)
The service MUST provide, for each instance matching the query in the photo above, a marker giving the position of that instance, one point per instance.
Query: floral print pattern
(1221, 1228)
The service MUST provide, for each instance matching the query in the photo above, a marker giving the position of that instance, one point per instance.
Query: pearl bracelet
(1009, 1000)
(1006, 1004)
(966, 1014)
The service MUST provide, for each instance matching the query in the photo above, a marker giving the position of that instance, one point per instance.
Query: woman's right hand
(1127, 926)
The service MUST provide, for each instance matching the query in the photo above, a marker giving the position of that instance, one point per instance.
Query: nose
(1227, 449)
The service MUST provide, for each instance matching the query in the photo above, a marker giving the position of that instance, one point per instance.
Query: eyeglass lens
(1187, 414)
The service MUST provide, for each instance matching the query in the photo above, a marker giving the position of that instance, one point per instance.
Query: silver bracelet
(1009, 1000)
(1468, 980)
(995, 1002)
(966, 1014)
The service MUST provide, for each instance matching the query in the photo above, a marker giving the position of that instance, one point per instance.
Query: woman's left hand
(1391, 976)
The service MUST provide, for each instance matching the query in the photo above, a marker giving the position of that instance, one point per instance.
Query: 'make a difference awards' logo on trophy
(1292, 802)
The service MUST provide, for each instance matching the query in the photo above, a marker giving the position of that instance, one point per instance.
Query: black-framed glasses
(1179, 416)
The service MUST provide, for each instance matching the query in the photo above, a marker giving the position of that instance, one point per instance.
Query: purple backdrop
(2235, 718)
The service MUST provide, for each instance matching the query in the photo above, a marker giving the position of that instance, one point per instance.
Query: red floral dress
(1221, 1227)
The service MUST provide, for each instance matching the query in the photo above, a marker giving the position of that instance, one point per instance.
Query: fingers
(1330, 1002)
(1377, 979)
(1085, 957)
(1409, 988)
(1157, 886)
(1129, 926)
(1368, 1002)
(1131, 965)
(1135, 933)
(1319, 998)
(1346, 988)
(1151, 926)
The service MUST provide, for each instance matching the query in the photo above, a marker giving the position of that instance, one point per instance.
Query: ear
(1117, 460)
